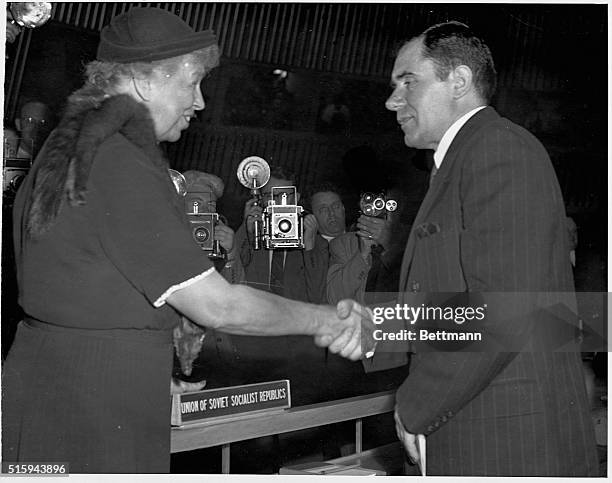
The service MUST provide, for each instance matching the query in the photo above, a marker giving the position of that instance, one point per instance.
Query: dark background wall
(551, 61)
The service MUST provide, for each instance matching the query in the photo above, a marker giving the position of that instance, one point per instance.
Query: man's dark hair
(451, 44)
(280, 172)
(323, 187)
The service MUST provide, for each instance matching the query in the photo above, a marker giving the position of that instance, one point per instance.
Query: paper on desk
(422, 454)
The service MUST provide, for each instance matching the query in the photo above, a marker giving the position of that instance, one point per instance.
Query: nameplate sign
(221, 403)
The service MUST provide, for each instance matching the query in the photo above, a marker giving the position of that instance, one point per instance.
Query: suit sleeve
(348, 270)
(316, 263)
(509, 201)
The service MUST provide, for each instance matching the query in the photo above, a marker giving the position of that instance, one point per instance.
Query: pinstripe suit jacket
(500, 226)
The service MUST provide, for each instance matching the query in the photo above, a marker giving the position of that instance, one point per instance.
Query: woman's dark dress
(87, 381)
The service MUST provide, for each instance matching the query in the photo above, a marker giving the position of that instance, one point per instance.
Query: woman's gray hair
(107, 76)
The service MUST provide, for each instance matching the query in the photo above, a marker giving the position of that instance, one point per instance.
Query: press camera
(14, 172)
(203, 221)
(376, 204)
(282, 223)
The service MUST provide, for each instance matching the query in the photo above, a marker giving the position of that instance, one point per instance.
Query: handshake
(347, 332)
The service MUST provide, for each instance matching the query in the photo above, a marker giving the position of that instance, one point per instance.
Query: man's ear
(18, 124)
(297, 197)
(462, 81)
(142, 87)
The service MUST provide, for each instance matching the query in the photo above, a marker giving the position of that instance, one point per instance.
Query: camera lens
(284, 225)
(367, 209)
(368, 197)
(201, 234)
(16, 182)
(379, 203)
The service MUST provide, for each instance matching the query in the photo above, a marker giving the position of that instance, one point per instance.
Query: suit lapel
(484, 116)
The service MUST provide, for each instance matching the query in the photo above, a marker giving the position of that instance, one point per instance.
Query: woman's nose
(198, 102)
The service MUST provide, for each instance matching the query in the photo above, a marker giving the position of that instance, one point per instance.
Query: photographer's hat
(200, 182)
(147, 34)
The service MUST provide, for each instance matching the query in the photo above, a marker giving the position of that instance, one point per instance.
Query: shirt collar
(450, 134)
(327, 237)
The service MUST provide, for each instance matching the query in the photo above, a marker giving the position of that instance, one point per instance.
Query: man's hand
(225, 235)
(311, 227)
(365, 247)
(409, 440)
(348, 332)
(252, 213)
(375, 230)
(177, 386)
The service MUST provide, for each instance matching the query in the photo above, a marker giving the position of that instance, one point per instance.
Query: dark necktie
(277, 272)
(373, 273)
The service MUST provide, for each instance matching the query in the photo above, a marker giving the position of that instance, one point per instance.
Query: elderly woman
(106, 263)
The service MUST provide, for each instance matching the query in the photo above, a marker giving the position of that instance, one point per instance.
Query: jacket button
(430, 428)
(444, 419)
(415, 286)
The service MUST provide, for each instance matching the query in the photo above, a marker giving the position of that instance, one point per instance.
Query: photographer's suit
(350, 274)
(304, 274)
(494, 220)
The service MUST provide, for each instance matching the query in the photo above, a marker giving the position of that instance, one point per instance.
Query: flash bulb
(179, 181)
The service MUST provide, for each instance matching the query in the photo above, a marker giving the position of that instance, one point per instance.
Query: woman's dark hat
(147, 34)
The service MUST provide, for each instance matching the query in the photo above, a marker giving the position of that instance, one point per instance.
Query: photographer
(367, 259)
(33, 123)
(290, 272)
(211, 188)
(328, 222)
(284, 271)
(195, 346)
(365, 263)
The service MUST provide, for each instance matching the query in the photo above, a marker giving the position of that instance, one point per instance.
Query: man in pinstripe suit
(498, 224)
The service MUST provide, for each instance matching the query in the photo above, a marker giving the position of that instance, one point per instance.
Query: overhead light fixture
(30, 14)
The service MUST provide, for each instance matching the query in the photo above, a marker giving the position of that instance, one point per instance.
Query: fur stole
(62, 168)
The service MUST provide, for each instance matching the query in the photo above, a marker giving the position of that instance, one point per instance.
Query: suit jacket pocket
(436, 263)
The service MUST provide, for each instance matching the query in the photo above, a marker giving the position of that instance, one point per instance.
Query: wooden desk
(224, 433)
